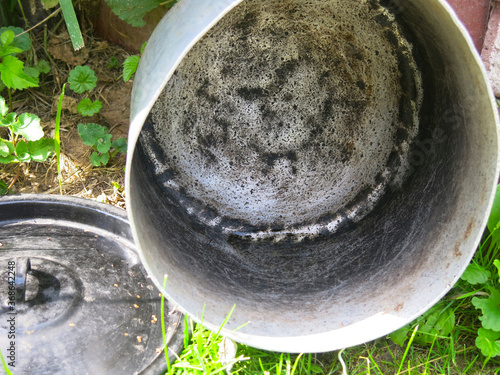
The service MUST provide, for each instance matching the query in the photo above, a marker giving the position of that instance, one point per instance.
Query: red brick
(474, 15)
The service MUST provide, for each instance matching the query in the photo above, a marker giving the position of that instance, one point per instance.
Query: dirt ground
(80, 178)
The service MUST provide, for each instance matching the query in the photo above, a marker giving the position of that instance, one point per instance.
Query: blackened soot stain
(283, 72)
(361, 85)
(316, 129)
(224, 125)
(382, 20)
(394, 160)
(405, 111)
(406, 80)
(323, 78)
(251, 93)
(248, 21)
(207, 142)
(390, 5)
(373, 4)
(392, 38)
(270, 157)
(354, 51)
(327, 108)
(401, 135)
(291, 155)
(379, 178)
(202, 92)
(267, 113)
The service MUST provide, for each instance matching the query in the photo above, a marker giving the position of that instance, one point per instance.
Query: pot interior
(317, 163)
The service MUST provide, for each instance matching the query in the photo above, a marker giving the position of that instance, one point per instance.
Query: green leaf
(40, 150)
(8, 159)
(6, 148)
(7, 37)
(399, 337)
(4, 108)
(8, 120)
(82, 79)
(32, 72)
(476, 274)
(438, 321)
(10, 50)
(487, 341)
(113, 63)
(104, 144)
(95, 135)
(105, 158)
(28, 126)
(120, 145)
(88, 108)
(494, 218)
(95, 159)
(43, 66)
(490, 307)
(13, 76)
(98, 160)
(23, 42)
(496, 262)
(316, 369)
(72, 24)
(130, 67)
(132, 11)
(22, 152)
(48, 4)
(4, 188)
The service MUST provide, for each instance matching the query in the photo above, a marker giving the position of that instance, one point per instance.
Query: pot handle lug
(23, 266)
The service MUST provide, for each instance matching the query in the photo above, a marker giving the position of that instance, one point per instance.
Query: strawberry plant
(488, 284)
(99, 138)
(25, 142)
(133, 11)
(130, 65)
(13, 74)
(438, 321)
(81, 80)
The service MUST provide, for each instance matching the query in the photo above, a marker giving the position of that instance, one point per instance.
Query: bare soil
(79, 177)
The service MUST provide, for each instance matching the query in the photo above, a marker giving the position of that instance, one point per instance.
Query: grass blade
(342, 363)
(72, 24)
(407, 349)
(4, 365)
(57, 137)
(163, 333)
(226, 319)
(296, 364)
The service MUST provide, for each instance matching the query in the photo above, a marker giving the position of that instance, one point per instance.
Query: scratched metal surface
(327, 166)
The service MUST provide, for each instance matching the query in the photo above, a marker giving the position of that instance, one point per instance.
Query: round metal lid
(74, 297)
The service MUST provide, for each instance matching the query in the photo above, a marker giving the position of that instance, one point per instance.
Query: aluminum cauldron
(325, 166)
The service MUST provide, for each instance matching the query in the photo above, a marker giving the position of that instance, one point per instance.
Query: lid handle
(23, 265)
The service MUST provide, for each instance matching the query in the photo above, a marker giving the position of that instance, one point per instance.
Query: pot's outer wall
(373, 277)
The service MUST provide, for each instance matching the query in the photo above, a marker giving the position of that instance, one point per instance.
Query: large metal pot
(327, 166)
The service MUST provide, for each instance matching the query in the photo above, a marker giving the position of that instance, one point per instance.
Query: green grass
(428, 346)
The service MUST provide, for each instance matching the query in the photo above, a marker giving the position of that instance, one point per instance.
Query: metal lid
(74, 296)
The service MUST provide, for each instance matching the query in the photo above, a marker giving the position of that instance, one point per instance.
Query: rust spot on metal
(469, 230)
(456, 250)
(399, 307)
